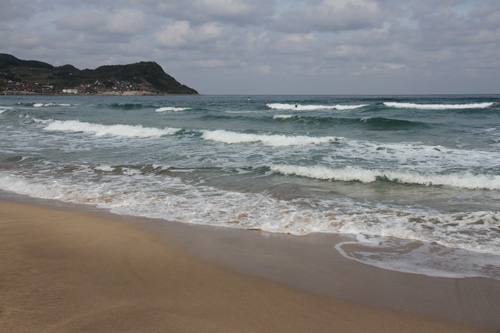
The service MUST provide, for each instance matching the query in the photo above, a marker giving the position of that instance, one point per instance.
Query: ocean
(413, 181)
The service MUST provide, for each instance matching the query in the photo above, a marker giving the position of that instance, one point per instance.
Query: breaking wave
(3, 109)
(171, 108)
(107, 130)
(39, 105)
(465, 180)
(287, 116)
(282, 106)
(437, 106)
(268, 140)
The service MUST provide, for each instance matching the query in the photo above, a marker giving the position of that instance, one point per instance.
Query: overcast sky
(271, 47)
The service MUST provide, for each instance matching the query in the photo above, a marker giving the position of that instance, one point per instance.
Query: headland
(32, 77)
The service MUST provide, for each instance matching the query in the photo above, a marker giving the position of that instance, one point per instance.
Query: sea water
(414, 179)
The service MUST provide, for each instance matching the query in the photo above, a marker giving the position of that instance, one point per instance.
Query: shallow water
(391, 170)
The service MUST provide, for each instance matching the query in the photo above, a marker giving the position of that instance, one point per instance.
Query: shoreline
(70, 268)
(123, 93)
(312, 264)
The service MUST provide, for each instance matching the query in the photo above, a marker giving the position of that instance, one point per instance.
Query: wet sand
(67, 270)
(311, 263)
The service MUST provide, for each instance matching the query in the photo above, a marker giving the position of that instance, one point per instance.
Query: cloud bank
(272, 47)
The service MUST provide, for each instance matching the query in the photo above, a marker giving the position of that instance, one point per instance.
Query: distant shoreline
(125, 93)
(32, 76)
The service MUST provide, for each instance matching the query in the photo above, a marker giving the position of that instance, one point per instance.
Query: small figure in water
(296, 104)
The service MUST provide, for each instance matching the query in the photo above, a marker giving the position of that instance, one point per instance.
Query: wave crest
(437, 106)
(108, 130)
(464, 180)
(282, 106)
(171, 108)
(268, 140)
(40, 105)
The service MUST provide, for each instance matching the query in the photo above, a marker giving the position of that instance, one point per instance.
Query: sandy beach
(65, 270)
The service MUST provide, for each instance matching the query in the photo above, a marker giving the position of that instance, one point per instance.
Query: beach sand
(64, 270)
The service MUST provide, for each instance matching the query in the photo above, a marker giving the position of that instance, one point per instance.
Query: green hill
(144, 76)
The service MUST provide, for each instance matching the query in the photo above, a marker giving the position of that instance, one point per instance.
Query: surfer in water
(296, 104)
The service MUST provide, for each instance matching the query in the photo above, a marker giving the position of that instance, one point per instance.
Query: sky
(271, 46)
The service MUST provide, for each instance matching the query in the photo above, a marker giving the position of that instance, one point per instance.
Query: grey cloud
(313, 41)
(16, 9)
(236, 12)
(82, 21)
(182, 34)
(445, 27)
(330, 16)
(96, 21)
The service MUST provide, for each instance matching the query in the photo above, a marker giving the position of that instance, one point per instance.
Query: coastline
(121, 93)
(73, 270)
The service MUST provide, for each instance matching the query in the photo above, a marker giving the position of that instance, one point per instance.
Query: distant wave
(371, 123)
(381, 123)
(437, 106)
(107, 130)
(288, 116)
(281, 106)
(465, 180)
(268, 140)
(170, 108)
(4, 108)
(39, 105)
(128, 106)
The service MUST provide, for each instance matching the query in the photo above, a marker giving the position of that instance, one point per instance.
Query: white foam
(465, 180)
(437, 106)
(24, 186)
(283, 116)
(169, 198)
(412, 157)
(170, 108)
(300, 107)
(39, 105)
(107, 130)
(319, 172)
(420, 258)
(105, 168)
(475, 231)
(350, 107)
(268, 140)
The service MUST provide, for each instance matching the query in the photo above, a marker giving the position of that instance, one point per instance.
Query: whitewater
(414, 180)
